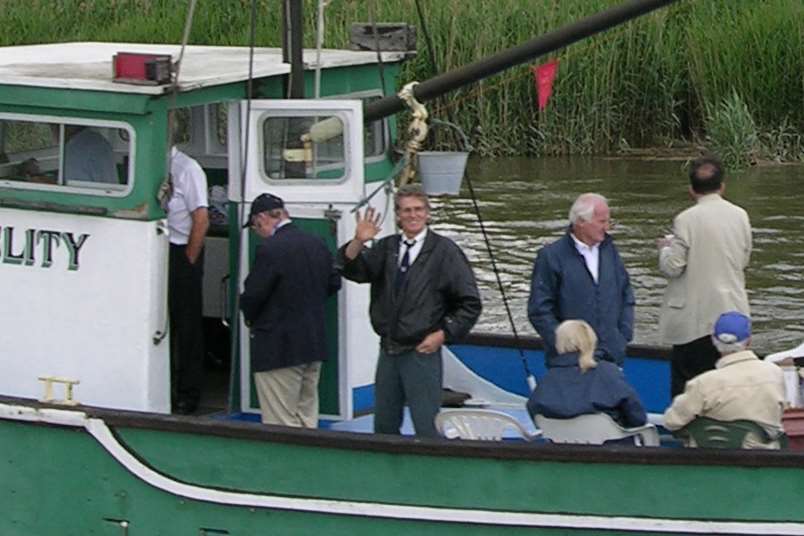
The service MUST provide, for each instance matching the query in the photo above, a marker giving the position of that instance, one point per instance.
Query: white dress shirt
(591, 254)
(414, 250)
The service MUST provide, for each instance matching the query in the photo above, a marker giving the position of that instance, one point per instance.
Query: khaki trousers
(289, 396)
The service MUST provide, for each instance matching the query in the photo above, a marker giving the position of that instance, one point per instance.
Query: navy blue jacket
(284, 299)
(563, 289)
(564, 392)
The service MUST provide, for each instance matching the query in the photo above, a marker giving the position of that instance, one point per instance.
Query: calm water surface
(524, 204)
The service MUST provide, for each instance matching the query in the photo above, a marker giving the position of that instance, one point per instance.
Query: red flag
(543, 77)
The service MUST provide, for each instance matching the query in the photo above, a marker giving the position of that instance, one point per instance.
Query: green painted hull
(168, 475)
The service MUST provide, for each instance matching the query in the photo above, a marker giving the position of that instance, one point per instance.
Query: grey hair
(726, 348)
(577, 336)
(411, 190)
(584, 206)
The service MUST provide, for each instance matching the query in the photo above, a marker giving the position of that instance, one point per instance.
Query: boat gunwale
(533, 342)
(410, 445)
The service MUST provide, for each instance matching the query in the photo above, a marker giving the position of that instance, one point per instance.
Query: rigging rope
(188, 24)
(166, 188)
(531, 380)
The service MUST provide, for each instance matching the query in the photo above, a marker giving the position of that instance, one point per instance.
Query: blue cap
(732, 327)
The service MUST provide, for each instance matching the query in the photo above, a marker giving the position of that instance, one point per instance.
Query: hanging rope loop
(417, 132)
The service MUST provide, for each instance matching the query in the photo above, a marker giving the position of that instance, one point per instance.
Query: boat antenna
(319, 44)
(241, 207)
(376, 35)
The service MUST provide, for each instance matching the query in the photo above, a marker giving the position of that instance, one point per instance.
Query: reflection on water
(524, 204)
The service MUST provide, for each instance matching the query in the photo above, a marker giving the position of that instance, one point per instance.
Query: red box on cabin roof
(141, 68)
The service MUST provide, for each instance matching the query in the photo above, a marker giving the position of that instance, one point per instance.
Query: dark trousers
(413, 378)
(689, 360)
(186, 325)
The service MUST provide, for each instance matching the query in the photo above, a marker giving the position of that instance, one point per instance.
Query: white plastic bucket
(441, 172)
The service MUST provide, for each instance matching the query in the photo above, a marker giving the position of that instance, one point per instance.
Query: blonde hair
(577, 336)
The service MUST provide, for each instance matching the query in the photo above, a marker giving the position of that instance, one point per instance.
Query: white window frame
(300, 181)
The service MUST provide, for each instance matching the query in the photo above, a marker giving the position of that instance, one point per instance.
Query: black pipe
(292, 47)
(444, 83)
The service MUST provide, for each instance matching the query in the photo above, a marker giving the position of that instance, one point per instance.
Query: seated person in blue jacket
(578, 384)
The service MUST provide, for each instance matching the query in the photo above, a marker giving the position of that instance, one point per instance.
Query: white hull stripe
(98, 429)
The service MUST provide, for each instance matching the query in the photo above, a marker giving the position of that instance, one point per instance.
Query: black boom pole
(439, 85)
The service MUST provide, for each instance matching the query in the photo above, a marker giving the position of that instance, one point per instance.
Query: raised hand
(368, 225)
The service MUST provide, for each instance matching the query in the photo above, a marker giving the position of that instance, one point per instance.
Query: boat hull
(97, 470)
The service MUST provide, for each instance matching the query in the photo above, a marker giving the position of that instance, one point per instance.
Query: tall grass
(732, 131)
(652, 81)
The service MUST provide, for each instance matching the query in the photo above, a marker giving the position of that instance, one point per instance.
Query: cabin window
(182, 127)
(287, 157)
(217, 118)
(375, 134)
(56, 153)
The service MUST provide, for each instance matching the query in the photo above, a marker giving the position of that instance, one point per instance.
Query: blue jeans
(410, 378)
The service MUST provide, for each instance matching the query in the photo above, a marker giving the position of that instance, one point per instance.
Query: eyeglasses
(412, 210)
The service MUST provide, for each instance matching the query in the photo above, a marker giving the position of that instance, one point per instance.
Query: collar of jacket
(736, 357)
(708, 198)
(569, 359)
(280, 229)
(427, 246)
(570, 243)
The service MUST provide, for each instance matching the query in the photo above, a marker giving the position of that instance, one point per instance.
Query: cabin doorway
(319, 179)
(318, 183)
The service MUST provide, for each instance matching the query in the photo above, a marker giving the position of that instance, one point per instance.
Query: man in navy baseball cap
(741, 387)
(263, 203)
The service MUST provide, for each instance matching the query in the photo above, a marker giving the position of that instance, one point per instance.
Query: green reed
(653, 81)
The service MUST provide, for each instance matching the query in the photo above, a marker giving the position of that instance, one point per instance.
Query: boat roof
(88, 65)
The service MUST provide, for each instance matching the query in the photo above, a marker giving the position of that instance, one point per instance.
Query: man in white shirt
(741, 387)
(188, 222)
(581, 276)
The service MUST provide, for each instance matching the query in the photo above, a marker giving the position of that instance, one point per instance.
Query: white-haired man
(741, 387)
(581, 276)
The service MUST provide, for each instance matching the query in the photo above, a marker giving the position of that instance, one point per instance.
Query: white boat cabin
(83, 257)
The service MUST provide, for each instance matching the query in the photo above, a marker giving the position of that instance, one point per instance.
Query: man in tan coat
(741, 387)
(704, 261)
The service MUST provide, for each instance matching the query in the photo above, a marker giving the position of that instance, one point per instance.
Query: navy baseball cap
(732, 327)
(262, 203)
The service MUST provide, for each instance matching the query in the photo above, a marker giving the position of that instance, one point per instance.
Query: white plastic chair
(594, 429)
(484, 424)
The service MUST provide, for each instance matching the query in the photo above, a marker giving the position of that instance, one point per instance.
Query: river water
(524, 204)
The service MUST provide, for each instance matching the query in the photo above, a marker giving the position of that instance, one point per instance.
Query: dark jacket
(563, 289)
(439, 291)
(284, 297)
(565, 392)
